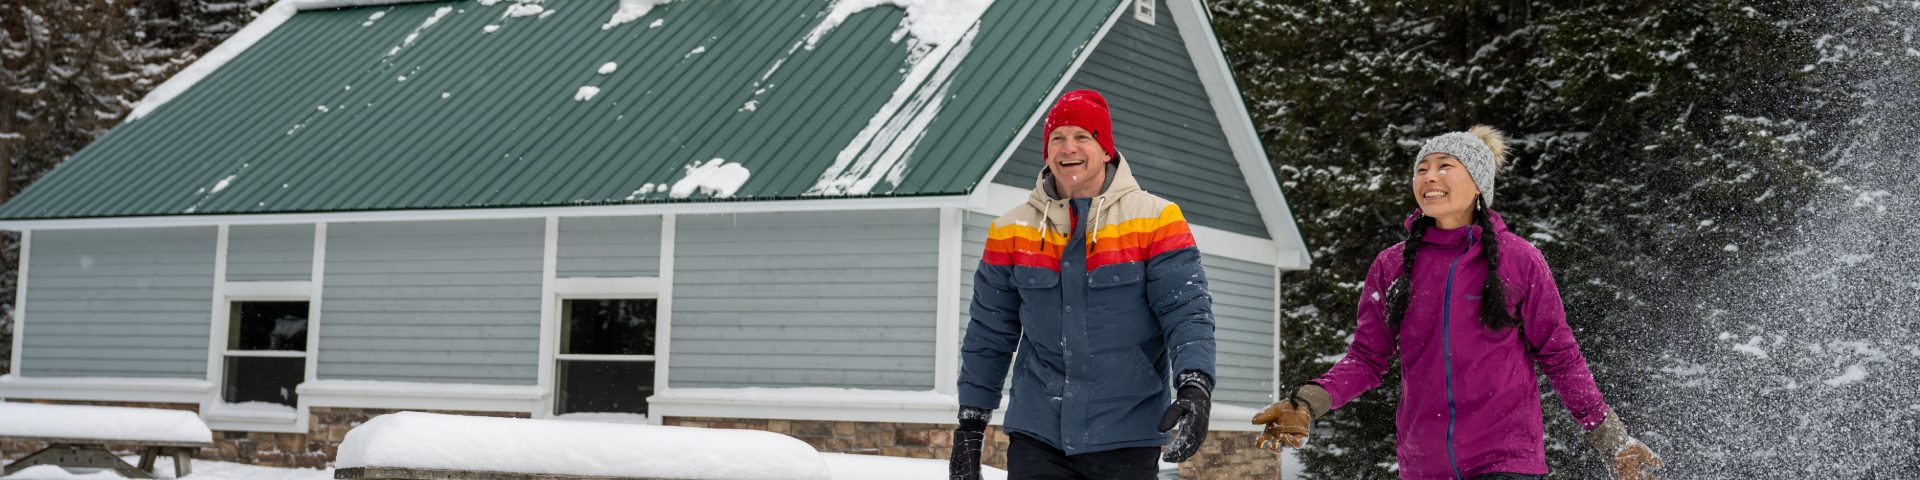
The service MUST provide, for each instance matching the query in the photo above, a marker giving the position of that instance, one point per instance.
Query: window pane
(608, 327)
(600, 387)
(263, 379)
(268, 326)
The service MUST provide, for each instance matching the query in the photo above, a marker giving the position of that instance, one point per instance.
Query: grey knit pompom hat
(1482, 148)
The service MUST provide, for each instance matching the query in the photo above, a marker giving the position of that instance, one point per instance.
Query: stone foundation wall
(1226, 455)
(326, 428)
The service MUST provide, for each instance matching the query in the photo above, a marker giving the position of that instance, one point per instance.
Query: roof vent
(1143, 10)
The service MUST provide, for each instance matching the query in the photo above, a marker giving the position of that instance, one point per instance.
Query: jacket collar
(1439, 236)
(1120, 183)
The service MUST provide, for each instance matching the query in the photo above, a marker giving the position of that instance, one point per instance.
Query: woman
(1467, 340)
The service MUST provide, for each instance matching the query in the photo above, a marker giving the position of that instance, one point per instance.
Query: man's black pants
(1032, 459)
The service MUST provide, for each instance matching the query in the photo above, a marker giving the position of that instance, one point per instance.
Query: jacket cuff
(974, 419)
(1610, 436)
(1316, 397)
(1195, 378)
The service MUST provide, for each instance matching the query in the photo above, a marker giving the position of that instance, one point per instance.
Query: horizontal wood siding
(451, 301)
(609, 247)
(811, 299)
(119, 303)
(1243, 330)
(281, 253)
(1162, 122)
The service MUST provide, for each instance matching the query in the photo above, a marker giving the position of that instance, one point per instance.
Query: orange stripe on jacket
(1140, 239)
(1022, 245)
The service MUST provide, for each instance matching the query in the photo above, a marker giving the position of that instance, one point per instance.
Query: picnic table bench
(77, 436)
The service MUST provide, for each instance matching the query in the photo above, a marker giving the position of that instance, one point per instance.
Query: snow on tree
(1698, 173)
(71, 69)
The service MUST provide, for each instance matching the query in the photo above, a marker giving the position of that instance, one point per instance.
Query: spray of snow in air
(1815, 365)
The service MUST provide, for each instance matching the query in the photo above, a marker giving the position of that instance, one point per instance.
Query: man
(1098, 284)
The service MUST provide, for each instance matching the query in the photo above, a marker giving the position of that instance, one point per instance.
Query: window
(1143, 11)
(266, 352)
(605, 360)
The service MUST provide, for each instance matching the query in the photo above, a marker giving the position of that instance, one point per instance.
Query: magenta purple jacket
(1468, 402)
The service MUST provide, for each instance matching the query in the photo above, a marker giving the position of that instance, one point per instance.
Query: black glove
(1189, 412)
(967, 441)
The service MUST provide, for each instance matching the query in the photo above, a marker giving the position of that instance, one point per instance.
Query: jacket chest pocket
(1117, 275)
(1039, 288)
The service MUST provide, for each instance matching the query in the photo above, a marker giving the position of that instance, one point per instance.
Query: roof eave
(894, 202)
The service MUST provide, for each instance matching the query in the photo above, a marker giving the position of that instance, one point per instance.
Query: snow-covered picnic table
(78, 435)
(412, 445)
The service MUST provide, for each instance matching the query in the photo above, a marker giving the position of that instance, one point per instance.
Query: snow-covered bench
(412, 445)
(77, 436)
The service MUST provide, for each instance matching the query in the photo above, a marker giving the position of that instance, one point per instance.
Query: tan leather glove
(1627, 458)
(1288, 421)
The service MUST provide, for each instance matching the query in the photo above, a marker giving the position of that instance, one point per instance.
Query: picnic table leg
(146, 457)
(182, 462)
(77, 455)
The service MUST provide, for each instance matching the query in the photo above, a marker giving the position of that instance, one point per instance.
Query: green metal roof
(336, 110)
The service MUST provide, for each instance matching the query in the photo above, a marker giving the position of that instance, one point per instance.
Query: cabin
(720, 213)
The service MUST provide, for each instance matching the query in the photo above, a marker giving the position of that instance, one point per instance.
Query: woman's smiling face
(1444, 190)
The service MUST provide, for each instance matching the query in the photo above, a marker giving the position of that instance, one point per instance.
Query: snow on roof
(239, 42)
(875, 467)
(511, 445)
(943, 33)
(90, 422)
(718, 178)
(631, 10)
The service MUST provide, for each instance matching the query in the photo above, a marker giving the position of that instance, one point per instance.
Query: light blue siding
(270, 253)
(811, 299)
(1163, 123)
(609, 247)
(119, 303)
(452, 302)
(1243, 329)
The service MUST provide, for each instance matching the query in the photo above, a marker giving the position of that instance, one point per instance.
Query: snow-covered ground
(202, 470)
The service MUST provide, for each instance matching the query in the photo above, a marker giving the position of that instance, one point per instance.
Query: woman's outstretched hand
(1627, 458)
(1288, 421)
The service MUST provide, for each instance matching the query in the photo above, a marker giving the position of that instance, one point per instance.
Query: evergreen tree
(71, 69)
(1660, 146)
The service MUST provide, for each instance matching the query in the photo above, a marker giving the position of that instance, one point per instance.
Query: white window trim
(946, 335)
(421, 396)
(20, 303)
(225, 293)
(556, 289)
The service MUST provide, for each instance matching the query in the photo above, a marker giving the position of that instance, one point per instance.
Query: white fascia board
(106, 389)
(1212, 241)
(1224, 95)
(417, 395)
(691, 208)
(979, 196)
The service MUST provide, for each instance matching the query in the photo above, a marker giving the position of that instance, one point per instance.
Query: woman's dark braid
(1493, 295)
(1493, 303)
(1401, 290)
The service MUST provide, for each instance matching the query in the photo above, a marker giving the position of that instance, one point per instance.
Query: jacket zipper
(1446, 346)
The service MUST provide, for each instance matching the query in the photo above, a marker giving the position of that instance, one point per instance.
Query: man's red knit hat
(1085, 109)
